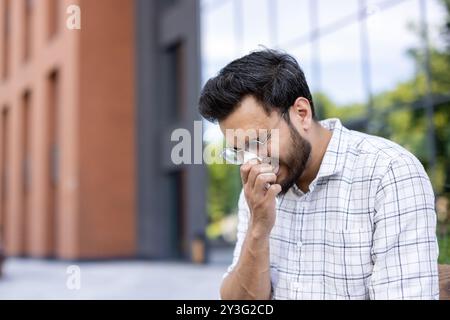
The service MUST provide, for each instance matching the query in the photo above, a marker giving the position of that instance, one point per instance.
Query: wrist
(259, 232)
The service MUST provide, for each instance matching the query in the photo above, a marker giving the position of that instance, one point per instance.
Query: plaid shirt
(365, 230)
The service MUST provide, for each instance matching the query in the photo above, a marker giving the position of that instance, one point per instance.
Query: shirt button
(299, 244)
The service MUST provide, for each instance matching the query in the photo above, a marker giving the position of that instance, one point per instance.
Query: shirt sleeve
(405, 249)
(243, 219)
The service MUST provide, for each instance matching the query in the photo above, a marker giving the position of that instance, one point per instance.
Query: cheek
(283, 161)
(282, 173)
(278, 148)
(281, 155)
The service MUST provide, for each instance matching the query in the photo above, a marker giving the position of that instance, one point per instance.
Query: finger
(263, 179)
(273, 191)
(255, 171)
(245, 170)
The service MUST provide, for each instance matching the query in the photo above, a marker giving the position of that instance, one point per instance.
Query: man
(355, 214)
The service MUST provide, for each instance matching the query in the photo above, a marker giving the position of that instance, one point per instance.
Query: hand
(260, 191)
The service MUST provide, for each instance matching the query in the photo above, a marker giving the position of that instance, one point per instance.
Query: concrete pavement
(42, 279)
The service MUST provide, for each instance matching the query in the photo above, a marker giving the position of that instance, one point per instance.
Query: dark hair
(273, 78)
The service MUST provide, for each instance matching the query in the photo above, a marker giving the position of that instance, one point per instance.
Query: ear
(302, 113)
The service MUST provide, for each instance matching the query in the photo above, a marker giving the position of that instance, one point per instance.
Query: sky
(233, 28)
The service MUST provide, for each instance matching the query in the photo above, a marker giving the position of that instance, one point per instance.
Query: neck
(320, 138)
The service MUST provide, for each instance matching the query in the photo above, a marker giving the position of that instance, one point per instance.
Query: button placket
(294, 252)
(293, 255)
(293, 287)
(299, 242)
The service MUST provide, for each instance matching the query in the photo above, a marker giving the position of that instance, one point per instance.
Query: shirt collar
(334, 158)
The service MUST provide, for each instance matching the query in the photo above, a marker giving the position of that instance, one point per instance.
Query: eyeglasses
(239, 157)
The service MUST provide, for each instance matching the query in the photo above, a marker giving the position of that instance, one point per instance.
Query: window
(53, 17)
(174, 89)
(28, 27)
(26, 138)
(176, 211)
(168, 3)
(53, 154)
(6, 38)
(26, 174)
(53, 125)
(4, 130)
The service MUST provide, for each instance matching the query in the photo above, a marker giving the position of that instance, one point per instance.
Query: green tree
(223, 192)
(399, 115)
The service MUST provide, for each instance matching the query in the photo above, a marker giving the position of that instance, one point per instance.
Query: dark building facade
(171, 199)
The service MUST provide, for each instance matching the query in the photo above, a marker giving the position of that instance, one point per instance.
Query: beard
(296, 161)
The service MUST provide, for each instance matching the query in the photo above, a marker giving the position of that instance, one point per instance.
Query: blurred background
(382, 67)
(87, 116)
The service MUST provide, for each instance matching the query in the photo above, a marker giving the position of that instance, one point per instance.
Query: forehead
(247, 122)
(248, 115)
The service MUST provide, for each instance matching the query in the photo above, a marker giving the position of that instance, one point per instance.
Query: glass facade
(375, 64)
